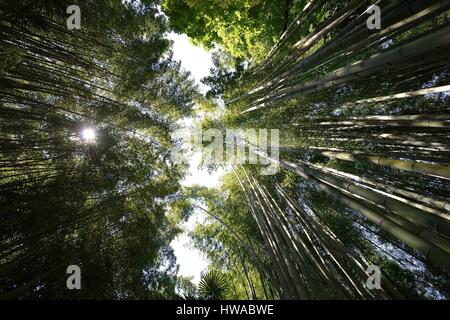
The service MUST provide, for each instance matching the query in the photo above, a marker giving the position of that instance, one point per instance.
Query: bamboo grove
(364, 153)
(66, 201)
(363, 120)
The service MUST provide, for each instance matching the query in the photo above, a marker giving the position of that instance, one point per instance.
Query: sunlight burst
(89, 135)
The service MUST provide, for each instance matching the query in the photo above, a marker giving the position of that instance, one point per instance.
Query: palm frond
(213, 286)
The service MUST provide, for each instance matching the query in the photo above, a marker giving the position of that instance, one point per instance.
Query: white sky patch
(193, 59)
(191, 261)
(201, 176)
(198, 61)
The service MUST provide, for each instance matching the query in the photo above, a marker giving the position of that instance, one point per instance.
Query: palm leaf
(213, 286)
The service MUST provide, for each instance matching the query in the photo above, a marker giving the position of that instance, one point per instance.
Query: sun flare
(89, 135)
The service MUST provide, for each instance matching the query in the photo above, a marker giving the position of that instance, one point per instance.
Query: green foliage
(213, 286)
(303, 90)
(231, 239)
(103, 205)
(186, 288)
(113, 206)
(246, 29)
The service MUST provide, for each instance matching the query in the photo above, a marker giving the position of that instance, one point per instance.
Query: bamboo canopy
(345, 107)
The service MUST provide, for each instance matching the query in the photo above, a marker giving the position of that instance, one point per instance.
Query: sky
(194, 59)
(198, 61)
